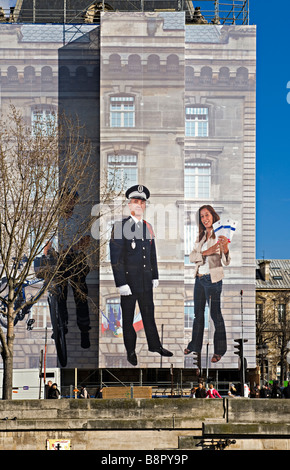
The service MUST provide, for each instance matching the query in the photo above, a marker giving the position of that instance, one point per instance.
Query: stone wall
(141, 424)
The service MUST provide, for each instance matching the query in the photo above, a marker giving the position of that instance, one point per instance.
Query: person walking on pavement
(276, 390)
(212, 392)
(53, 392)
(200, 391)
(286, 391)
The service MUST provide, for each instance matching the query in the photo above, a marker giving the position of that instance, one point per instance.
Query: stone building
(272, 318)
(169, 105)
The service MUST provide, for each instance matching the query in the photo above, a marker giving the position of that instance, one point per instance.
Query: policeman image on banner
(134, 265)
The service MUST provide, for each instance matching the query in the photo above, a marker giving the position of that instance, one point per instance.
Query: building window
(259, 313)
(46, 74)
(281, 313)
(29, 74)
(172, 63)
(112, 317)
(196, 122)
(122, 171)
(122, 111)
(43, 122)
(153, 63)
(197, 180)
(134, 63)
(189, 314)
(12, 74)
(115, 63)
(190, 234)
(41, 315)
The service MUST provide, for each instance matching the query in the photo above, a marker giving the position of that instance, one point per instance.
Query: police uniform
(134, 265)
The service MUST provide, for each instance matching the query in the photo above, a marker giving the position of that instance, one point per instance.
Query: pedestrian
(134, 265)
(255, 391)
(265, 391)
(276, 390)
(200, 391)
(286, 391)
(53, 392)
(212, 392)
(192, 392)
(99, 392)
(232, 391)
(84, 393)
(47, 388)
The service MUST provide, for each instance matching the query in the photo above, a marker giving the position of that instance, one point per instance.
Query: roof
(203, 33)
(279, 274)
(55, 33)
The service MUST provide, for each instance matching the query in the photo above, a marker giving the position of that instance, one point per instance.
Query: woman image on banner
(209, 255)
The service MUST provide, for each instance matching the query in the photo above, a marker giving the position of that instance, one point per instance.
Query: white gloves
(125, 290)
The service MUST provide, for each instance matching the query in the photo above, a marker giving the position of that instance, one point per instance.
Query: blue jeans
(210, 292)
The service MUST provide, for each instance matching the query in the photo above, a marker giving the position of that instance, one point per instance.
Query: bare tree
(41, 170)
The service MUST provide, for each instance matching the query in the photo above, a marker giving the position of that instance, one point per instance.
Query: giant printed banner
(169, 109)
(178, 119)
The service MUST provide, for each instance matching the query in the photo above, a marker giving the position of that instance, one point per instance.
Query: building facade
(178, 115)
(168, 105)
(272, 317)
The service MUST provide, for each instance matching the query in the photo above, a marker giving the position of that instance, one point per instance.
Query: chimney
(265, 269)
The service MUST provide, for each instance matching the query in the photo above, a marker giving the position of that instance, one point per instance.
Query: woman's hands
(222, 246)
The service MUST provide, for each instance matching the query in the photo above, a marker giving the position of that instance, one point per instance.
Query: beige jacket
(215, 261)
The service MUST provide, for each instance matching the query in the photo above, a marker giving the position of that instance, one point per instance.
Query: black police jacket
(133, 255)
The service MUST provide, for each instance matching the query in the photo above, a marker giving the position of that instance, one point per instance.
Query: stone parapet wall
(145, 424)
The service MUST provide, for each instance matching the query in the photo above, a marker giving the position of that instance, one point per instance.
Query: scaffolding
(197, 12)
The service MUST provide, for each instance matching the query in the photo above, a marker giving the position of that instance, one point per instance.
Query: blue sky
(273, 126)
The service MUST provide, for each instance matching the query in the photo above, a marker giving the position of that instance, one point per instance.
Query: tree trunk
(7, 355)
(7, 377)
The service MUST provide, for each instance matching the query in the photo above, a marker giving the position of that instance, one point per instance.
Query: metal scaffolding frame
(197, 12)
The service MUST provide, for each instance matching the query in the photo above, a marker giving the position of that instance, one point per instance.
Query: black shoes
(163, 352)
(132, 358)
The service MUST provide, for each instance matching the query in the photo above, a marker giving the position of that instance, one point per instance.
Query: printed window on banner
(190, 234)
(196, 122)
(40, 313)
(197, 180)
(189, 314)
(122, 171)
(112, 318)
(281, 312)
(122, 111)
(43, 122)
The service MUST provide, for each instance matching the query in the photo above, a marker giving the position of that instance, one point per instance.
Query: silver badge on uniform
(133, 244)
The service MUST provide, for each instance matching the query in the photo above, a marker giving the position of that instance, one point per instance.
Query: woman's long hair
(201, 227)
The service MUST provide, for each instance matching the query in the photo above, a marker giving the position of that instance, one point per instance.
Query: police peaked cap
(138, 192)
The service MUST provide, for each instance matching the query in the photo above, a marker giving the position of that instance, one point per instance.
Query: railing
(164, 390)
(201, 12)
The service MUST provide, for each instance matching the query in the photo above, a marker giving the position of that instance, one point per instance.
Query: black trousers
(146, 305)
(76, 276)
